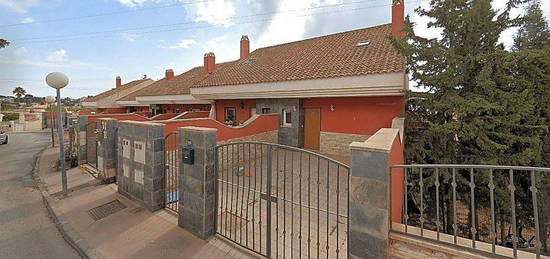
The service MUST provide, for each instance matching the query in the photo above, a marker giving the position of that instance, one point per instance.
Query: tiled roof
(335, 55)
(115, 90)
(179, 85)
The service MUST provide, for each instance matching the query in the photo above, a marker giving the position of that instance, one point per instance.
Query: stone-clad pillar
(197, 182)
(82, 151)
(106, 149)
(369, 216)
(140, 154)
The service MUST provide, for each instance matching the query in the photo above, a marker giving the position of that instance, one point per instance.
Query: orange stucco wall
(357, 115)
(263, 123)
(171, 108)
(111, 110)
(121, 117)
(397, 189)
(243, 114)
(164, 116)
(193, 115)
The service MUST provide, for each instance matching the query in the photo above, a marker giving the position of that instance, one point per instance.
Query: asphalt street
(26, 229)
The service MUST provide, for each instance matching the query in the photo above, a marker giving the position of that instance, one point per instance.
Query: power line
(190, 22)
(104, 14)
(86, 36)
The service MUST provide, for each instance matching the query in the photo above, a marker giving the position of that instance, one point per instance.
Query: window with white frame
(287, 118)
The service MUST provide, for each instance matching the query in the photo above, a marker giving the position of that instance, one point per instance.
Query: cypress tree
(475, 109)
(531, 50)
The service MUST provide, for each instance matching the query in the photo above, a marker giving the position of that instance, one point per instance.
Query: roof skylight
(363, 43)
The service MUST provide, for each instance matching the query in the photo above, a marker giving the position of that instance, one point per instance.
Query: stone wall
(400, 248)
(333, 143)
(267, 137)
(140, 167)
(106, 149)
(288, 135)
(239, 155)
(82, 149)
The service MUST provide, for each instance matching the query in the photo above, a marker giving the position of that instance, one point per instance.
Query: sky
(93, 41)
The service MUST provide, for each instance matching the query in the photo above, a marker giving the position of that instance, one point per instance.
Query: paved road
(26, 230)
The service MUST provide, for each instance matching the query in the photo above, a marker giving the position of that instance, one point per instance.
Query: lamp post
(57, 81)
(50, 100)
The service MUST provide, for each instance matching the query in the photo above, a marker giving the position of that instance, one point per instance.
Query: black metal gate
(281, 201)
(171, 165)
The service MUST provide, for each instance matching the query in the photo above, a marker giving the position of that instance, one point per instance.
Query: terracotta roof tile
(178, 86)
(115, 90)
(335, 55)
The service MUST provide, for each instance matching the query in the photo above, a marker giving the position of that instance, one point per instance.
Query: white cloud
(27, 20)
(57, 56)
(183, 44)
(216, 12)
(20, 6)
(20, 51)
(132, 3)
(130, 36)
(51, 64)
(288, 26)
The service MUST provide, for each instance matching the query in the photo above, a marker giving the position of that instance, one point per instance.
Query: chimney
(118, 82)
(245, 47)
(169, 74)
(398, 18)
(209, 62)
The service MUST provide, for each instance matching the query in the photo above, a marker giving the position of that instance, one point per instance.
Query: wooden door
(312, 129)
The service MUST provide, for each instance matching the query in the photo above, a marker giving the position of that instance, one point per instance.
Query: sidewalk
(132, 232)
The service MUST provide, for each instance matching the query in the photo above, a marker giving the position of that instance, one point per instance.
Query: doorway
(312, 128)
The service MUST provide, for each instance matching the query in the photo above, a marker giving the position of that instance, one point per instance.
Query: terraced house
(328, 91)
(105, 102)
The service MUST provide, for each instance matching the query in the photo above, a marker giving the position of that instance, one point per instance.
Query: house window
(230, 115)
(266, 110)
(287, 118)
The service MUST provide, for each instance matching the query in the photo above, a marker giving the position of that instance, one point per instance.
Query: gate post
(369, 193)
(197, 182)
(82, 152)
(106, 150)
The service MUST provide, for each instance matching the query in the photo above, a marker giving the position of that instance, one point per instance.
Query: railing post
(369, 209)
(197, 182)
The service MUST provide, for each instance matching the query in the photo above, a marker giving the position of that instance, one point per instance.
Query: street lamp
(58, 80)
(50, 100)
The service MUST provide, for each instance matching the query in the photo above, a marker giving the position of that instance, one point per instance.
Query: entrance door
(312, 129)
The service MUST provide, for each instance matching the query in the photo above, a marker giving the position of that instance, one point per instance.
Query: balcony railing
(454, 203)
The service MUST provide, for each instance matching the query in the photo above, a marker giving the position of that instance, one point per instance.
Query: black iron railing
(469, 201)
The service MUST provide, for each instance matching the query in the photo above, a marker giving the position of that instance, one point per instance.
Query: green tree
(474, 110)
(19, 92)
(534, 32)
(4, 43)
(531, 48)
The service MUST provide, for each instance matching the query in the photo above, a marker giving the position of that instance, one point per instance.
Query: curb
(64, 228)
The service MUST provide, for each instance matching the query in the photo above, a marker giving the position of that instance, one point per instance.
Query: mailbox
(188, 155)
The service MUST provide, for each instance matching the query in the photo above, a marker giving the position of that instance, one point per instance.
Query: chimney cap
(118, 77)
(244, 37)
(169, 70)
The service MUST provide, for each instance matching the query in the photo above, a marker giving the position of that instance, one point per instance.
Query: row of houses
(328, 91)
